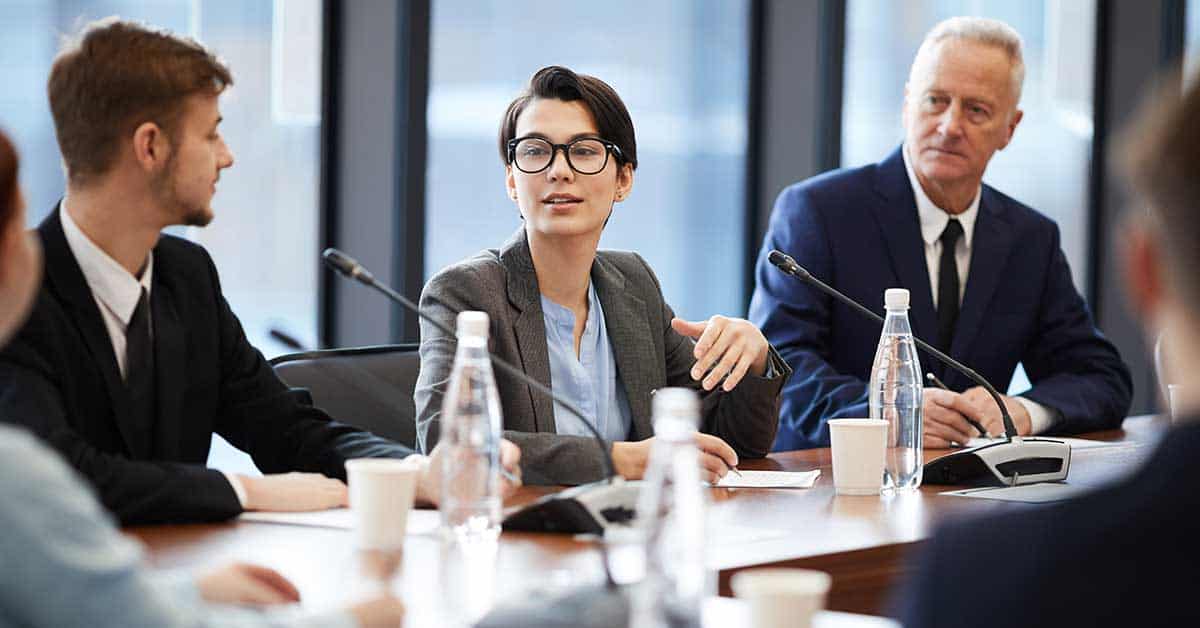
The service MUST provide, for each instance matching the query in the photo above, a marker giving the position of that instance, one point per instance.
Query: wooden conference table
(863, 542)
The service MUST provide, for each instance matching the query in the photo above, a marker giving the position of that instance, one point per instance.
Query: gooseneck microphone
(788, 265)
(1014, 461)
(588, 508)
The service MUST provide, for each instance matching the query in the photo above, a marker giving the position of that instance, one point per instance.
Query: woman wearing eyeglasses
(592, 324)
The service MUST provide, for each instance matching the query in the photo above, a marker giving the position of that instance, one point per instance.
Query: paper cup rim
(856, 422)
(780, 581)
(382, 465)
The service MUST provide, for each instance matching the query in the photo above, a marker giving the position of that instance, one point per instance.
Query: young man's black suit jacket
(59, 377)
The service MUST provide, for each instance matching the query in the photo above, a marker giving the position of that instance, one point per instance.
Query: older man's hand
(945, 416)
(988, 412)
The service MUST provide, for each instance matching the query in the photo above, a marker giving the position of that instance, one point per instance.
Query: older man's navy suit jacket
(858, 230)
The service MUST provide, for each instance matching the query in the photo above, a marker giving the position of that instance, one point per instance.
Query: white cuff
(1041, 418)
(238, 488)
(421, 463)
(417, 460)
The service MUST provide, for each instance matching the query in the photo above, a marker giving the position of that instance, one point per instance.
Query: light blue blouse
(590, 380)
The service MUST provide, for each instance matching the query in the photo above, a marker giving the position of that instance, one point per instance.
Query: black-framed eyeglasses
(586, 155)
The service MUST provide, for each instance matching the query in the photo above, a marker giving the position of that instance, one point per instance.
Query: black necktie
(948, 285)
(139, 371)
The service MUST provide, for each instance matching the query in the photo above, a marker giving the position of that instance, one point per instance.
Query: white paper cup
(858, 454)
(781, 598)
(381, 494)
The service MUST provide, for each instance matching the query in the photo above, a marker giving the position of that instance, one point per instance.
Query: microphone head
(287, 339)
(339, 261)
(785, 263)
(345, 264)
(779, 258)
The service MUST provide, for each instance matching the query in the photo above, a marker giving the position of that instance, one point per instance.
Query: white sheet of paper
(770, 479)
(1075, 443)
(1030, 493)
(334, 518)
(419, 521)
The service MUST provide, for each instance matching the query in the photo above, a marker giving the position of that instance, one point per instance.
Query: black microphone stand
(789, 266)
(1015, 461)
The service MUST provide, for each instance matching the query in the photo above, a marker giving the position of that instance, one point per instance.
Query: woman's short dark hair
(607, 108)
(8, 182)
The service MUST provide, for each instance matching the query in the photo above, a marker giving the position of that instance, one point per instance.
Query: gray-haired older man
(989, 282)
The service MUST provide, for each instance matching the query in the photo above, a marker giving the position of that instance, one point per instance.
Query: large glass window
(264, 238)
(1046, 165)
(1192, 55)
(680, 66)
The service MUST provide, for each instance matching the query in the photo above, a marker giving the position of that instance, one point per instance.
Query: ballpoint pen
(975, 424)
(509, 475)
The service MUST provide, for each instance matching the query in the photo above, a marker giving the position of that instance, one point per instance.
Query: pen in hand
(510, 476)
(732, 468)
(975, 424)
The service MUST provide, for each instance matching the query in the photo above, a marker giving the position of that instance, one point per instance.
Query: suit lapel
(529, 326)
(629, 333)
(67, 281)
(170, 343)
(991, 246)
(900, 226)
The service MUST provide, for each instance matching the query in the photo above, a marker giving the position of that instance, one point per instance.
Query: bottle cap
(895, 299)
(676, 409)
(473, 324)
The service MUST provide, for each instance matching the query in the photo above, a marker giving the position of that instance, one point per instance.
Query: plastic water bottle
(896, 394)
(671, 519)
(470, 434)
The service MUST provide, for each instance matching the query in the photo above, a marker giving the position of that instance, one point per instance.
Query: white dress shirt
(117, 293)
(933, 221)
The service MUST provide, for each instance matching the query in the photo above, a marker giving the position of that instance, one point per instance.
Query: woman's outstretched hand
(725, 348)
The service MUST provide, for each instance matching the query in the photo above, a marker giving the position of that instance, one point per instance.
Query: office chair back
(370, 388)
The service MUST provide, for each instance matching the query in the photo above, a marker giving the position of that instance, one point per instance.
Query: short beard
(197, 217)
(164, 189)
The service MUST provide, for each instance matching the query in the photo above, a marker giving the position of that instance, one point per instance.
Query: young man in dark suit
(1120, 556)
(132, 358)
(67, 563)
(989, 282)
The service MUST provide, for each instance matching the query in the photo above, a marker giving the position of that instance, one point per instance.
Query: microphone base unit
(585, 509)
(1007, 463)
